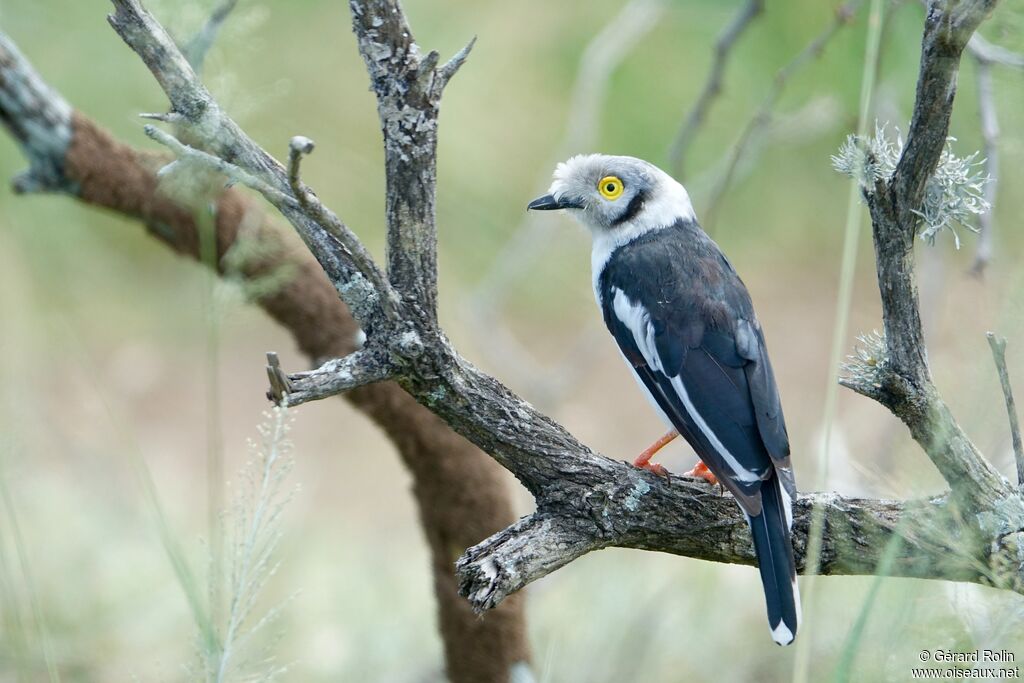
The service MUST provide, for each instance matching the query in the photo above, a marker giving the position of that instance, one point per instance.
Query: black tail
(774, 551)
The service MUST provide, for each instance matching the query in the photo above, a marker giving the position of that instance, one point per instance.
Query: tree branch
(693, 520)
(408, 90)
(38, 119)
(609, 502)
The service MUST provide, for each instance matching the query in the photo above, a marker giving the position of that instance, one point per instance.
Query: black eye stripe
(632, 209)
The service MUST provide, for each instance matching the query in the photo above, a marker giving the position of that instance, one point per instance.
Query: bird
(685, 325)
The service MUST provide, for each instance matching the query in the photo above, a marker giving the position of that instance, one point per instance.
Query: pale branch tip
(452, 66)
(280, 387)
(165, 117)
(365, 366)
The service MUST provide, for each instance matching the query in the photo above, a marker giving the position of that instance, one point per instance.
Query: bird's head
(615, 193)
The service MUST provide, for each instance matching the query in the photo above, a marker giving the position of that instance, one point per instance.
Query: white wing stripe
(636, 318)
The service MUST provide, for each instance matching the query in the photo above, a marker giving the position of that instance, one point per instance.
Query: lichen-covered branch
(408, 88)
(334, 377)
(692, 519)
(902, 379)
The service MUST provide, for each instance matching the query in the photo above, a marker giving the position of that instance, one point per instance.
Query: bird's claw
(656, 468)
(701, 471)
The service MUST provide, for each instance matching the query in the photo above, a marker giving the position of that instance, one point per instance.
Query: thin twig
(983, 50)
(451, 67)
(298, 147)
(215, 163)
(222, 137)
(843, 16)
(712, 86)
(990, 134)
(199, 45)
(599, 60)
(998, 346)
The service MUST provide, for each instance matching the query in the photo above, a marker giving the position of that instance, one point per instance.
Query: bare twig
(602, 55)
(371, 304)
(329, 221)
(233, 173)
(985, 51)
(843, 15)
(749, 11)
(196, 48)
(998, 345)
(990, 135)
(330, 379)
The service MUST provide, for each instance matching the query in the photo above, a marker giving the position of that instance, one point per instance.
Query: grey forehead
(626, 168)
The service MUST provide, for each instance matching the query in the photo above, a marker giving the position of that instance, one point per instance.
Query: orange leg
(701, 471)
(643, 461)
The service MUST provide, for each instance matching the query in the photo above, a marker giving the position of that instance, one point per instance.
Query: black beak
(549, 203)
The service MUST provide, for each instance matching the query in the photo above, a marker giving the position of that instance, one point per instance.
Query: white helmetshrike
(686, 327)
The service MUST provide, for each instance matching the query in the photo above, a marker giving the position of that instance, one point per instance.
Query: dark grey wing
(764, 394)
(699, 380)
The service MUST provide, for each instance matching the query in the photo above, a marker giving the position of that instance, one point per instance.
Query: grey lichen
(864, 366)
(360, 295)
(632, 500)
(409, 344)
(954, 194)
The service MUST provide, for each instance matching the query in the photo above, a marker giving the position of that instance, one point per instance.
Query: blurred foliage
(93, 313)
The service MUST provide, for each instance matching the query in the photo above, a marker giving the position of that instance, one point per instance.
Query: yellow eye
(610, 187)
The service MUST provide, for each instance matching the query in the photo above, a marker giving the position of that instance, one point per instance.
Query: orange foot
(701, 471)
(643, 461)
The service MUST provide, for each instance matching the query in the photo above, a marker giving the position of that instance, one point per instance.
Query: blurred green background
(104, 335)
